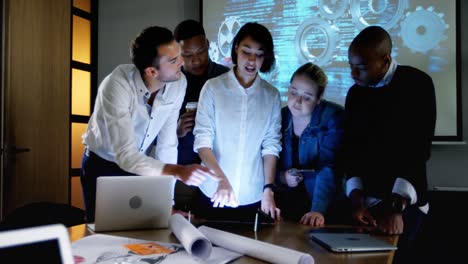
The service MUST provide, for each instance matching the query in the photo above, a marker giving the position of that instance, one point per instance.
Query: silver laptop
(351, 242)
(41, 244)
(133, 202)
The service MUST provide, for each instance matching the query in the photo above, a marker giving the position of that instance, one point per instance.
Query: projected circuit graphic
(320, 31)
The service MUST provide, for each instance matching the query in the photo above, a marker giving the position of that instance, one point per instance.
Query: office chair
(43, 213)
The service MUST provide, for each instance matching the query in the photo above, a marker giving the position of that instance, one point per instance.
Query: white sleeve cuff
(353, 183)
(201, 143)
(405, 189)
(270, 152)
(424, 208)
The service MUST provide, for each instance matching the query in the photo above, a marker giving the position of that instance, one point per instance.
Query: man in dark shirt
(390, 121)
(198, 68)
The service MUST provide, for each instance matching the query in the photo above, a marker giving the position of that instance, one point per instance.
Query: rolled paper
(194, 242)
(254, 248)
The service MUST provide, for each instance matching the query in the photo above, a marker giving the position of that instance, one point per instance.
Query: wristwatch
(272, 186)
(398, 204)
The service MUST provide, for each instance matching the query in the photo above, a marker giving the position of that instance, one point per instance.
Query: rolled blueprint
(196, 244)
(254, 248)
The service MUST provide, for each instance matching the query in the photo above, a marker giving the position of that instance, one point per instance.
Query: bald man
(390, 121)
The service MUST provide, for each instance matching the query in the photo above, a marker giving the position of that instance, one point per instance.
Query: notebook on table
(42, 244)
(351, 242)
(133, 202)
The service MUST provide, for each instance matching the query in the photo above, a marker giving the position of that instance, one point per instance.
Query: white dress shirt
(123, 127)
(240, 126)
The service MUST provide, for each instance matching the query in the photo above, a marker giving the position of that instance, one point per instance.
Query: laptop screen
(38, 252)
(41, 244)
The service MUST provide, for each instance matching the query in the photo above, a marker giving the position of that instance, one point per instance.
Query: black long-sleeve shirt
(388, 133)
(194, 85)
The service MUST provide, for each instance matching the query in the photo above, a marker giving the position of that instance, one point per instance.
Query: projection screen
(424, 35)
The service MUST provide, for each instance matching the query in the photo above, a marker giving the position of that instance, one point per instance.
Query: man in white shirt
(132, 130)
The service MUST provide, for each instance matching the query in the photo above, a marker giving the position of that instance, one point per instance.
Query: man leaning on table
(136, 110)
(390, 120)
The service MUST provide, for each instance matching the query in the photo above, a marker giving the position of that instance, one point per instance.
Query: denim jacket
(318, 146)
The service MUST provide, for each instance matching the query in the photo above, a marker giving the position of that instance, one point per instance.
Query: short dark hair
(260, 34)
(144, 49)
(188, 29)
(373, 37)
(314, 73)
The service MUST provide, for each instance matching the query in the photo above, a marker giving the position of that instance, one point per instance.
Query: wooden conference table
(287, 234)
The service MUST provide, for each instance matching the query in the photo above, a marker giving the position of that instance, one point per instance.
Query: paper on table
(193, 240)
(257, 249)
(108, 249)
(101, 248)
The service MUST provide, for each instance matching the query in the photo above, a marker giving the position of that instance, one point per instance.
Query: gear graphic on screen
(333, 9)
(377, 9)
(227, 30)
(423, 29)
(213, 51)
(316, 41)
(385, 13)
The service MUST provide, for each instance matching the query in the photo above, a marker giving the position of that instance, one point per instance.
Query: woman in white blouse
(237, 131)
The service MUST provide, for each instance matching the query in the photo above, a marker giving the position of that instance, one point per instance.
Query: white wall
(448, 166)
(120, 21)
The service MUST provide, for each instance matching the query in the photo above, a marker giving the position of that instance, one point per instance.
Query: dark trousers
(410, 243)
(185, 195)
(92, 167)
(293, 202)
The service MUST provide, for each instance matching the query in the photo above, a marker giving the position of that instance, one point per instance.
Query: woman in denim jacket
(312, 130)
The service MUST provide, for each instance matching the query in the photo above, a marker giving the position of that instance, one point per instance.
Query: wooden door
(36, 102)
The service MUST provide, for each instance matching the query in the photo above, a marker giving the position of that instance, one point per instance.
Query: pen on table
(256, 222)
